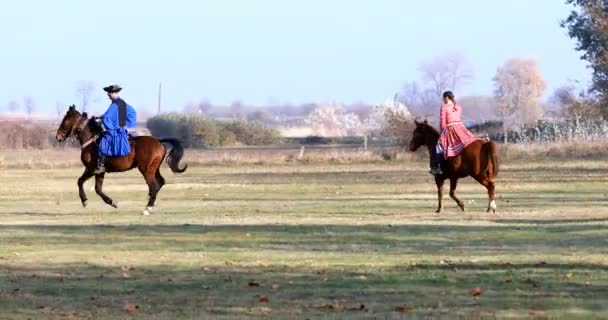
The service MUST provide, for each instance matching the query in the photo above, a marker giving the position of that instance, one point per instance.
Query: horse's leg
(439, 182)
(99, 190)
(83, 178)
(150, 174)
(159, 179)
(491, 187)
(453, 184)
(491, 196)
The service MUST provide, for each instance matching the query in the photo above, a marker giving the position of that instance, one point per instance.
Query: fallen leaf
(475, 292)
(260, 263)
(533, 312)
(253, 283)
(534, 283)
(326, 306)
(127, 268)
(568, 275)
(404, 308)
(130, 307)
(355, 307)
(275, 287)
(265, 310)
(263, 298)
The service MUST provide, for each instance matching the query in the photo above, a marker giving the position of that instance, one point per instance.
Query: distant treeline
(545, 131)
(196, 131)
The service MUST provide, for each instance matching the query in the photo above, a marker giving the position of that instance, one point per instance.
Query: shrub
(197, 131)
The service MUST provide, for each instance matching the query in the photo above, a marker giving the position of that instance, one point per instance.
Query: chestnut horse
(147, 154)
(478, 160)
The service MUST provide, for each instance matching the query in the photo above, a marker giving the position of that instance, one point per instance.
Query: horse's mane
(94, 125)
(430, 129)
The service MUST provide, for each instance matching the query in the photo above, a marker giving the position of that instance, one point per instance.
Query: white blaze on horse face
(493, 204)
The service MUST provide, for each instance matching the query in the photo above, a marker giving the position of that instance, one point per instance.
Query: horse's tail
(175, 155)
(492, 159)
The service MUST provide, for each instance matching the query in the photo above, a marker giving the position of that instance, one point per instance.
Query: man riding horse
(116, 121)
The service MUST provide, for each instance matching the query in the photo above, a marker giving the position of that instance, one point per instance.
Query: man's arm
(110, 118)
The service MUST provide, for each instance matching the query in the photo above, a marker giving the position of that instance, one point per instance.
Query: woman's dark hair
(450, 95)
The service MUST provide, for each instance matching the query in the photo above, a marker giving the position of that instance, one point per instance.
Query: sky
(267, 51)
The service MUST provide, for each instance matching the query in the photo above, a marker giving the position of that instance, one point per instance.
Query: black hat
(112, 89)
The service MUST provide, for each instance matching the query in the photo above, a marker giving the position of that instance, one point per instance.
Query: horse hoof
(492, 206)
(146, 212)
(114, 204)
(84, 203)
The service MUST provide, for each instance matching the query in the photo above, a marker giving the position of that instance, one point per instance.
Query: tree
(447, 72)
(237, 110)
(421, 102)
(84, 92)
(59, 109)
(575, 106)
(262, 116)
(29, 105)
(12, 106)
(519, 86)
(589, 27)
(391, 118)
(332, 121)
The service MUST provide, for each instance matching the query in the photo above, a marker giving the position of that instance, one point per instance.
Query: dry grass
(69, 157)
(317, 240)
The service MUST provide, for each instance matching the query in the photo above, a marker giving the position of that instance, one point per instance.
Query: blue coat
(115, 140)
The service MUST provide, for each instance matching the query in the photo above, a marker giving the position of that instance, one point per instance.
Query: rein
(82, 125)
(88, 142)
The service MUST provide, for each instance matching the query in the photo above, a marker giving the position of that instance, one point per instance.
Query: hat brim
(112, 89)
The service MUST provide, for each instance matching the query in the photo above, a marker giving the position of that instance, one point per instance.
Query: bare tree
(12, 106)
(84, 92)
(447, 72)
(29, 105)
(59, 109)
(237, 109)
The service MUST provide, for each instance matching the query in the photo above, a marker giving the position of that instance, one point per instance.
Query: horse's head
(422, 135)
(72, 124)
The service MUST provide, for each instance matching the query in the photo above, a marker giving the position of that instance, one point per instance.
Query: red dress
(454, 135)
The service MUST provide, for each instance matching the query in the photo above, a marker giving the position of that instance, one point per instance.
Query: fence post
(364, 142)
(301, 155)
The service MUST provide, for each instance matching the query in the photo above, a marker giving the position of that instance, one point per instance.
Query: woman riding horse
(456, 153)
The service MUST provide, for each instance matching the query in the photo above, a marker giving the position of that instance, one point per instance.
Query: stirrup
(436, 171)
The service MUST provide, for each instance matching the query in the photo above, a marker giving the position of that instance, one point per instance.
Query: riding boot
(101, 164)
(436, 158)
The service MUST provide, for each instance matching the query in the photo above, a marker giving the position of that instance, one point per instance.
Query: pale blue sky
(260, 51)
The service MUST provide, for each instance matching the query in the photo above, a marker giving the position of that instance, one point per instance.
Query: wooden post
(364, 142)
(301, 155)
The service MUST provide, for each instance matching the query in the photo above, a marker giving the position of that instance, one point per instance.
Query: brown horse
(478, 160)
(147, 154)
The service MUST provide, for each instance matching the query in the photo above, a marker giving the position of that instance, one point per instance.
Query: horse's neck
(85, 135)
(432, 140)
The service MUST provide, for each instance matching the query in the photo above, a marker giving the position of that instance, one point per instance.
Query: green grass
(320, 241)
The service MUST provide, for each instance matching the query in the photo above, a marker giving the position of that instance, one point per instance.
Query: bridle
(81, 124)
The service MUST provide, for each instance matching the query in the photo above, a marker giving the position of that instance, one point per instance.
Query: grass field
(314, 241)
